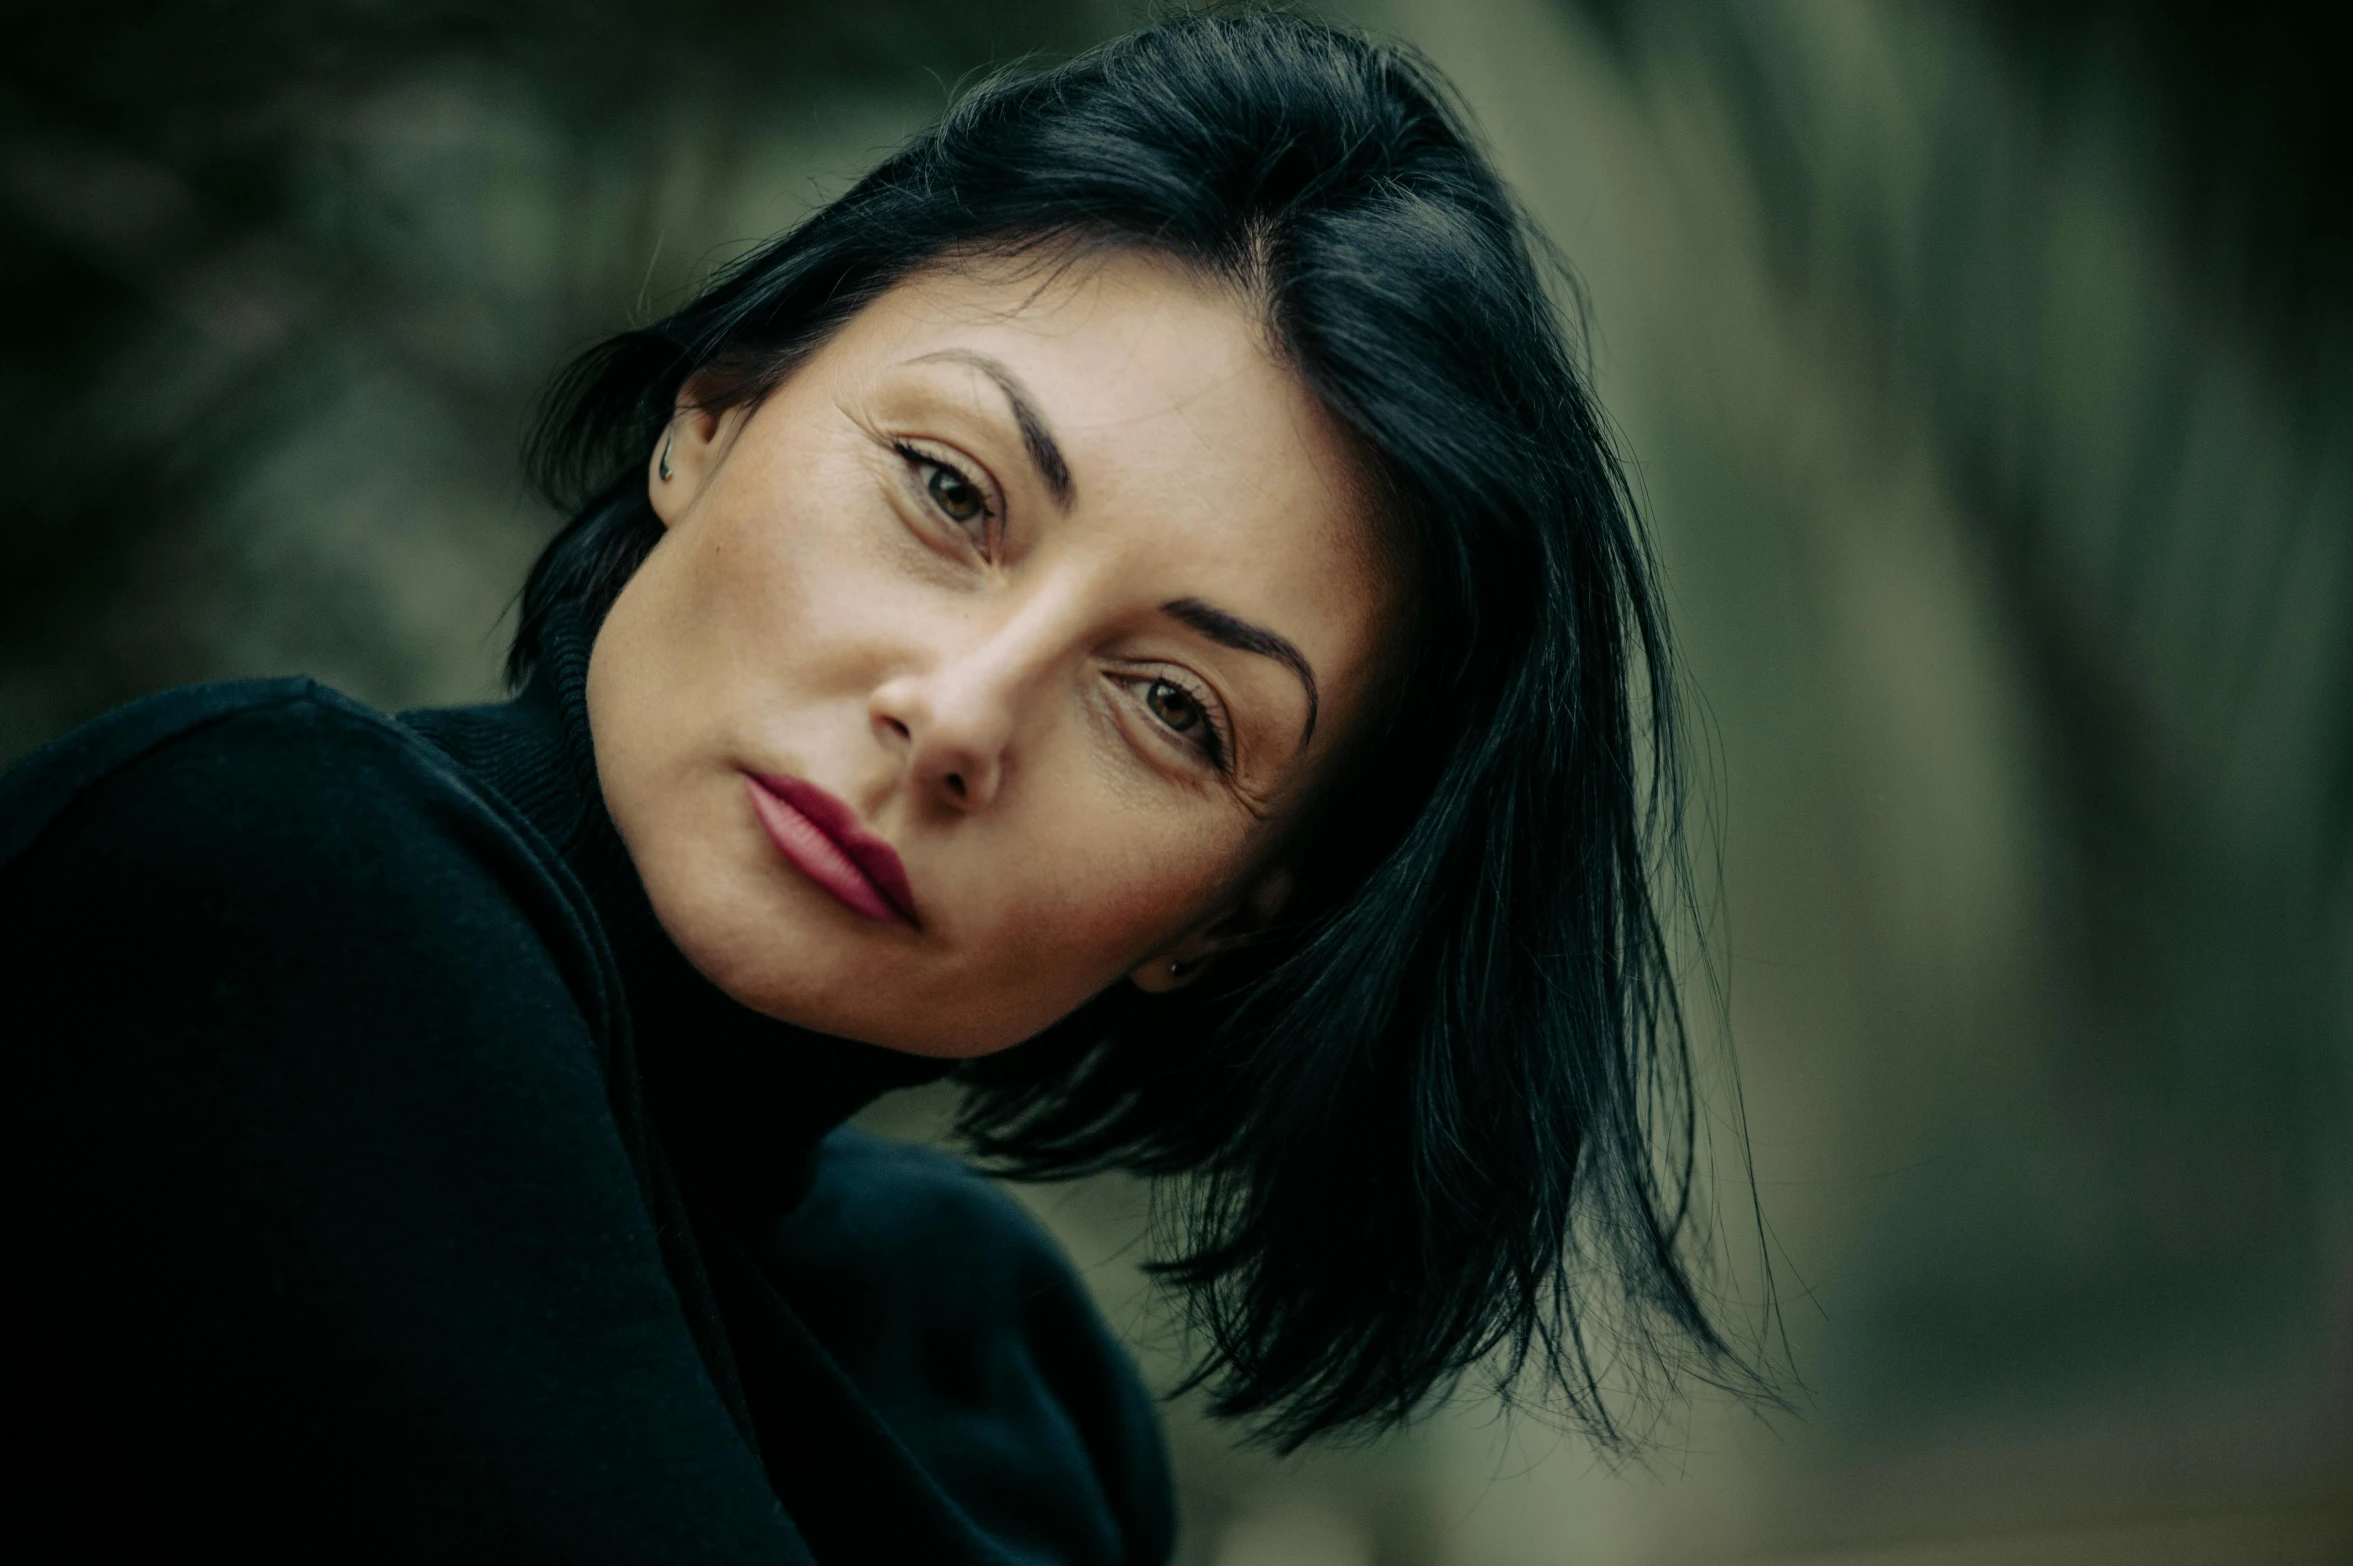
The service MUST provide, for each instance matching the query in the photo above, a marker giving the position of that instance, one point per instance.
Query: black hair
(1443, 1118)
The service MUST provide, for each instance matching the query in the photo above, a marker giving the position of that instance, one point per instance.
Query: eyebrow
(1043, 451)
(1241, 635)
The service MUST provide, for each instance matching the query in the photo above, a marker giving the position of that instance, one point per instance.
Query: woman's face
(987, 660)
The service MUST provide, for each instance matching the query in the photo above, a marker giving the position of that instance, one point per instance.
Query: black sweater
(388, 1186)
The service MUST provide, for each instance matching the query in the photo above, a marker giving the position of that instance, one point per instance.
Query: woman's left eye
(1185, 714)
(1174, 706)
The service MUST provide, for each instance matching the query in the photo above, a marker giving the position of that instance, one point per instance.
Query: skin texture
(870, 582)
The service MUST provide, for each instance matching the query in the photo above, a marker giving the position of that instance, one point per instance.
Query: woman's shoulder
(266, 803)
(971, 1332)
(181, 755)
(271, 863)
(875, 1206)
(44, 785)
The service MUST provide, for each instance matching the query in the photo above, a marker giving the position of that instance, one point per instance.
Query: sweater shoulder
(267, 803)
(912, 1201)
(177, 756)
(279, 831)
(41, 786)
(973, 1335)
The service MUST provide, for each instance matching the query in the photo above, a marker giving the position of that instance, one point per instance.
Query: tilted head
(1137, 590)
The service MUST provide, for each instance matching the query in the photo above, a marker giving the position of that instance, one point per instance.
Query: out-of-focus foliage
(2100, 298)
(1988, 371)
(2109, 325)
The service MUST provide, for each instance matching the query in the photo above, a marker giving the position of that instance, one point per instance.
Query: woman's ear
(684, 456)
(1187, 957)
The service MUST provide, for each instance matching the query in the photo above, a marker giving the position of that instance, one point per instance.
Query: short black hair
(1443, 1118)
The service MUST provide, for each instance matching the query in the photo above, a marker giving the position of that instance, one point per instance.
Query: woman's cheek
(1139, 888)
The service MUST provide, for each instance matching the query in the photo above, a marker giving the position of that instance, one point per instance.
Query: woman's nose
(956, 721)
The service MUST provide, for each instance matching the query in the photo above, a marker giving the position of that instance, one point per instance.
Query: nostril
(899, 728)
(955, 782)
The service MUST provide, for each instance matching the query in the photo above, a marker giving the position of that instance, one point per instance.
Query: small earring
(665, 463)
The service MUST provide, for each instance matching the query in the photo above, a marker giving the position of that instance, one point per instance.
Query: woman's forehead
(1127, 343)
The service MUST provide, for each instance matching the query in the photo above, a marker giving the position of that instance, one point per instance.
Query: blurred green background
(1988, 374)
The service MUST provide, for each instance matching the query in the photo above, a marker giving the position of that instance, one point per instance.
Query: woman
(1131, 604)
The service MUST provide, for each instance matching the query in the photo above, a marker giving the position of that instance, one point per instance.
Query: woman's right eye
(953, 493)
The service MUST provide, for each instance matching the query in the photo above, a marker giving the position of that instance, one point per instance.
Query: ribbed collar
(738, 1099)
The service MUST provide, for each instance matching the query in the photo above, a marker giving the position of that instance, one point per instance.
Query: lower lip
(820, 858)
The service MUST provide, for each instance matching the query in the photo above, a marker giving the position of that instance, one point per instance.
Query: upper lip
(838, 821)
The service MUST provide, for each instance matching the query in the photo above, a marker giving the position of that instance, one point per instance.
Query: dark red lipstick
(826, 842)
